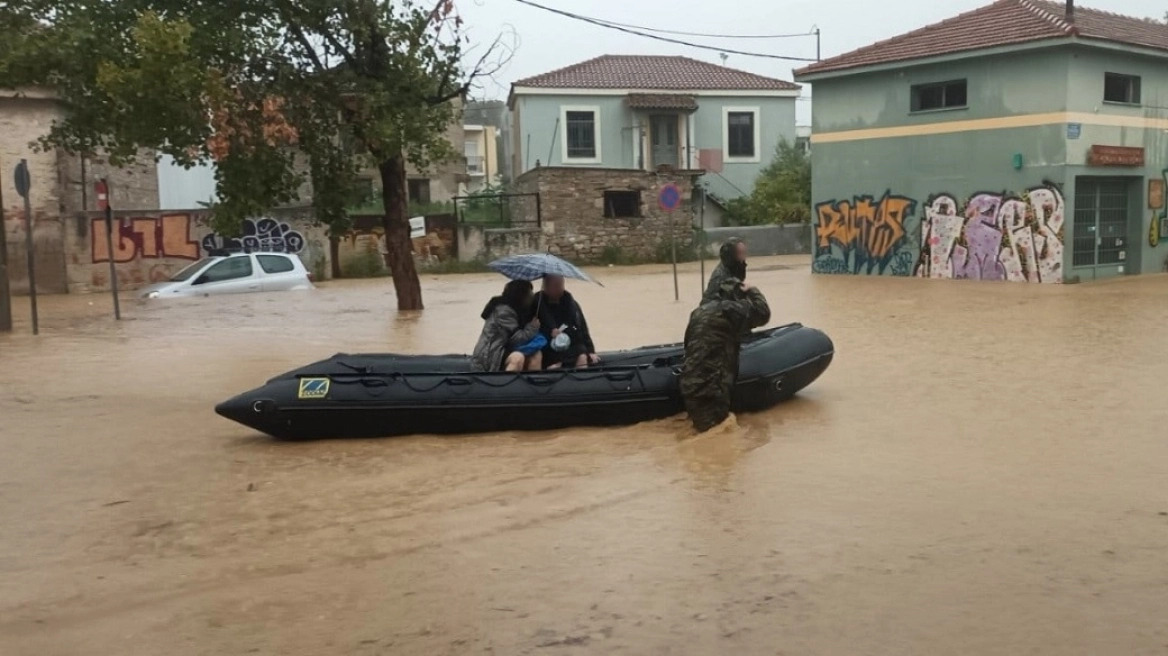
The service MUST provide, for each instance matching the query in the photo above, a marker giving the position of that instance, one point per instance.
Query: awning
(663, 101)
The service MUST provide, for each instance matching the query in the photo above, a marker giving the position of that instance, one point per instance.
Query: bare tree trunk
(398, 251)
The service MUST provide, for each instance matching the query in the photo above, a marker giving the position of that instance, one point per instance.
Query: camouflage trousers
(706, 385)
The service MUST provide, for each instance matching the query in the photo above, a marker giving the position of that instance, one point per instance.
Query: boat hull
(374, 395)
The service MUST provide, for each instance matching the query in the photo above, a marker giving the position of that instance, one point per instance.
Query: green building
(1023, 141)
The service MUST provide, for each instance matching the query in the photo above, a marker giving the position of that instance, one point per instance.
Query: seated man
(559, 313)
(713, 339)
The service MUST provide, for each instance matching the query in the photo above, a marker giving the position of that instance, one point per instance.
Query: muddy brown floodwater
(982, 470)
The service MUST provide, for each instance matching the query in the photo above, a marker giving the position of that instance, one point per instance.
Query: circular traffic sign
(669, 198)
(22, 179)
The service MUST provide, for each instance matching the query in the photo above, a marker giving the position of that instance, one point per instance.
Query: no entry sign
(102, 191)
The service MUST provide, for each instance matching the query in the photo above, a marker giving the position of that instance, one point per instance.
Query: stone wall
(572, 201)
(150, 246)
(793, 239)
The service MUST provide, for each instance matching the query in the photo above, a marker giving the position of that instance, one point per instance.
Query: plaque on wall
(1115, 156)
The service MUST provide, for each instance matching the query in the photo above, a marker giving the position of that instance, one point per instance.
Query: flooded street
(982, 470)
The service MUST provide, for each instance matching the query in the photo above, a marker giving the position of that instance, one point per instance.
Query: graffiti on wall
(145, 237)
(864, 235)
(260, 235)
(995, 236)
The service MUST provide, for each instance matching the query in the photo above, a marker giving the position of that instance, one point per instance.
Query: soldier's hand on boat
(535, 322)
(593, 358)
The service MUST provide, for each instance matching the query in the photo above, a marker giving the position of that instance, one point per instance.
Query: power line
(704, 34)
(626, 30)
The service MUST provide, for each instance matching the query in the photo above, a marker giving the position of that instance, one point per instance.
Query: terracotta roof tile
(1005, 22)
(653, 72)
(662, 101)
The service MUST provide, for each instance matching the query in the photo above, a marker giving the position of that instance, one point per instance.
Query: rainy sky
(546, 41)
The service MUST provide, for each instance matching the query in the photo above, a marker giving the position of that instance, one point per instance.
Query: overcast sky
(547, 41)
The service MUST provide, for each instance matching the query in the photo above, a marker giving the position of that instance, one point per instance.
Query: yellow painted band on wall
(1003, 123)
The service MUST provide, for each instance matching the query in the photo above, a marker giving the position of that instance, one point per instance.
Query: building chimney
(1070, 11)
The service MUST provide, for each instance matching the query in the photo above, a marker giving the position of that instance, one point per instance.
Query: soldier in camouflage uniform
(732, 264)
(713, 339)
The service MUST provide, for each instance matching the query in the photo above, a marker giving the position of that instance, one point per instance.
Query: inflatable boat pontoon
(373, 395)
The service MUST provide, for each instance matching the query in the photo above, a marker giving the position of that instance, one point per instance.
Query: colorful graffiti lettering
(263, 235)
(145, 237)
(862, 235)
(995, 237)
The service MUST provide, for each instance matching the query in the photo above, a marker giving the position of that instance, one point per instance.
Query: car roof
(221, 253)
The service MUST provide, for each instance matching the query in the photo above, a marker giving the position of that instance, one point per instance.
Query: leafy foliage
(275, 92)
(781, 194)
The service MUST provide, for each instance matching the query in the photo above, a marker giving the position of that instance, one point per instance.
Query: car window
(190, 271)
(229, 269)
(275, 263)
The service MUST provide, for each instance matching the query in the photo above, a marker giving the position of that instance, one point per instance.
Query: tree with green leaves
(782, 191)
(274, 92)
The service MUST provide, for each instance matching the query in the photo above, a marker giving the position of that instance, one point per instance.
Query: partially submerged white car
(234, 273)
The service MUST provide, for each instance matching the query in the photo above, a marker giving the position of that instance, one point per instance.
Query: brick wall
(573, 204)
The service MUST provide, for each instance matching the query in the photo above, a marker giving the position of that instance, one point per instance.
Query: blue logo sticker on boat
(313, 388)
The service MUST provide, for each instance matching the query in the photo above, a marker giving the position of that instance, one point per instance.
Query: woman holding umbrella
(505, 344)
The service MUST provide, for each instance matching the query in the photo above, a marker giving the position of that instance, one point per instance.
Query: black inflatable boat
(371, 395)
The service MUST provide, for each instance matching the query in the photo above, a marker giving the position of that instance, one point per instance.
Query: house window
(1121, 88)
(419, 191)
(581, 141)
(740, 134)
(803, 144)
(474, 161)
(944, 95)
(622, 204)
(741, 128)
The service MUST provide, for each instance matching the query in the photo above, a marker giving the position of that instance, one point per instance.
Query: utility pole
(815, 31)
(5, 293)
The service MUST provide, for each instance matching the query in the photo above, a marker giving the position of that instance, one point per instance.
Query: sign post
(23, 182)
(5, 293)
(669, 198)
(702, 250)
(101, 187)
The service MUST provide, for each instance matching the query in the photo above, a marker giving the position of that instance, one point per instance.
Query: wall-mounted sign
(1156, 194)
(1074, 130)
(1115, 156)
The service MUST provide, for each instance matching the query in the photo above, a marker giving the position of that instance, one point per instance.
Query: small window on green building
(1119, 88)
(941, 95)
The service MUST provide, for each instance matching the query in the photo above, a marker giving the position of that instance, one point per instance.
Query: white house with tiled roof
(647, 112)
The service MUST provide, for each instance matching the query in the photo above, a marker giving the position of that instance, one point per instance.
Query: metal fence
(499, 210)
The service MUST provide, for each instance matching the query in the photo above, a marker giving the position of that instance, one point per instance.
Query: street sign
(102, 190)
(669, 198)
(22, 179)
(1074, 130)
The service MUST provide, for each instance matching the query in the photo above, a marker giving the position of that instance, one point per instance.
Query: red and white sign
(102, 191)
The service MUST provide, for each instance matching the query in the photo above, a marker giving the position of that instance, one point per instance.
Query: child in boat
(505, 343)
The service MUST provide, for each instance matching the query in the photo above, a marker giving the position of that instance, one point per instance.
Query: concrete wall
(791, 239)
(477, 242)
(151, 246)
(623, 135)
(572, 201)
